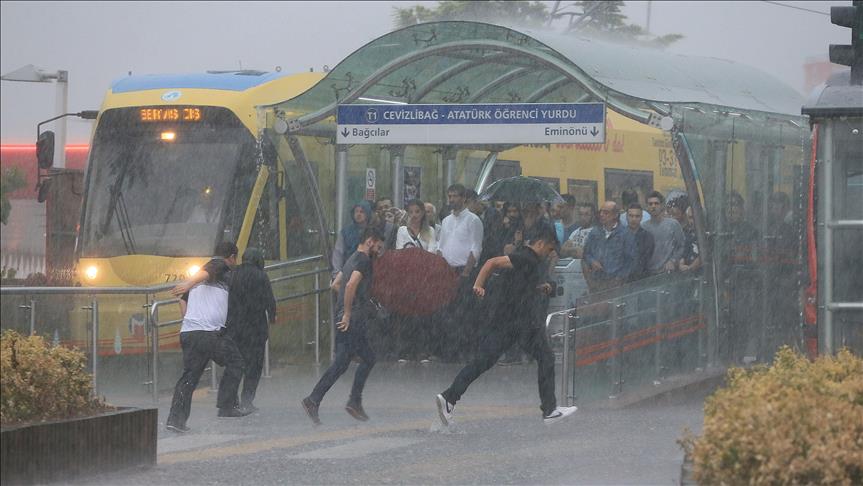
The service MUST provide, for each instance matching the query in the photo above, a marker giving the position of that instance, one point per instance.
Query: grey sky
(98, 42)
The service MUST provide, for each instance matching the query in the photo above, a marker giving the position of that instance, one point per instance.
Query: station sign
(504, 123)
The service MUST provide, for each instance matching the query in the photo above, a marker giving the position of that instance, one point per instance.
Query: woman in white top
(411, 332)
(417, 233)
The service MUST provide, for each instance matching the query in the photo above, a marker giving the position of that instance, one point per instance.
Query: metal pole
(317, 317)
(647, 26)
(702, 357)
(398, 176)
(94, 309)
(657, 347)
(564, 362)
(154, 343)
(450, 170)
(32, 320)
(332, 327)
(825, 182)
(32, 317)
(267, 360)
(341, 185)
(61, 102)
(617, 384)
(267, 353)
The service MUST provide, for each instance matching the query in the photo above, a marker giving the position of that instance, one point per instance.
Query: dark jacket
(644, 246)
(250, 301)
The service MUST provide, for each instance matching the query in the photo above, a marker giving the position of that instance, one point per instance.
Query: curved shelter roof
(471, 62)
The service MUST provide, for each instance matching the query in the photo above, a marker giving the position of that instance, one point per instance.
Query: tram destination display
(173, 114)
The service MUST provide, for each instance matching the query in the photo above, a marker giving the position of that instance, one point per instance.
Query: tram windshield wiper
(118, 211)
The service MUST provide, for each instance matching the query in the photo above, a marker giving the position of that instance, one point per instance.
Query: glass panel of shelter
(847, 156)
(752, 168)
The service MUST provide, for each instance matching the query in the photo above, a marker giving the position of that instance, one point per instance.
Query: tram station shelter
(737, 140)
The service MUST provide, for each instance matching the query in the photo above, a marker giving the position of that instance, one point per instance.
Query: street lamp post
(33, 74)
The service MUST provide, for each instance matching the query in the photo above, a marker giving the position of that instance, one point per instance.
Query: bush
(39, 382)
(796, 422)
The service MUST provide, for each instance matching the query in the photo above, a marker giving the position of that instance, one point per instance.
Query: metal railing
(156, 324)
(640, 333)
(152, 323)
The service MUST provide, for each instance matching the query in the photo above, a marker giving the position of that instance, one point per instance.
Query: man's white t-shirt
(207, 309)
(207, 302)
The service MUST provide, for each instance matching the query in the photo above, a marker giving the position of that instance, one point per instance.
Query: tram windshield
(165, 181)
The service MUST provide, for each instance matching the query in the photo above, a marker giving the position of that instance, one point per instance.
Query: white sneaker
(558, 414)
(444, 409)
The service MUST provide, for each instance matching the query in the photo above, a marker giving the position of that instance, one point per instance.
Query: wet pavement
(498, 436)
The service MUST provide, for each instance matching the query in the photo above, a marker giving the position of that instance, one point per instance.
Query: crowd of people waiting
(615, 247)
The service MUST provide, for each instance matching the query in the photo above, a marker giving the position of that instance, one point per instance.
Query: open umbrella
(521, 189)
(413, 282)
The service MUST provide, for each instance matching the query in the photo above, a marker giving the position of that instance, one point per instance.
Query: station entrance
(723, 135)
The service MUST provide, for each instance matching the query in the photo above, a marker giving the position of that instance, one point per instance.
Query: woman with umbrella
(416, 234)
(512, 224)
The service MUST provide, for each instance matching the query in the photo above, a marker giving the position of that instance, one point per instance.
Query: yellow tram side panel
(122, 317)
(629, 146)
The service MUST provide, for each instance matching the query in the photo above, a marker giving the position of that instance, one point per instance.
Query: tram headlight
(192, 270)
(169, 136)
(91, 272)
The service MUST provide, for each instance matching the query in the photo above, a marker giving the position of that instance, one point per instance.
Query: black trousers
(459, 325)
(348, 345)
(199, 347)
(252, 349)
(500, 337)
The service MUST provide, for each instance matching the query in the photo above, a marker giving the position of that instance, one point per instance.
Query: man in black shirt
(353, 310)
(513, 322)
(643, 241)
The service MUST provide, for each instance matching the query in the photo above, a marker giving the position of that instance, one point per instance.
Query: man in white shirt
(461, 245)
(461, 233)
(205, 311)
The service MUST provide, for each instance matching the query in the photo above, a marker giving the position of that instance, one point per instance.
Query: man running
(204, 306)
(353, 310)
(513, 322)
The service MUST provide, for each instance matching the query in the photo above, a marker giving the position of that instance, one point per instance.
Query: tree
(527, 14)
(601, 19)
(605, 20)
(10, 181)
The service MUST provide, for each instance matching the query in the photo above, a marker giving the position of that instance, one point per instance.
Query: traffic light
(844, 54)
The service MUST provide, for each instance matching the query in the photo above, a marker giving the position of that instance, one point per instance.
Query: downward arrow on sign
(594, 131)
(345, 132)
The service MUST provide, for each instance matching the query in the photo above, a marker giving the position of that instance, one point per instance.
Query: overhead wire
(778, 4)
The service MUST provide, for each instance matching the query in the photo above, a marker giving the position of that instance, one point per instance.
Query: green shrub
(39, 382)
(796, 422)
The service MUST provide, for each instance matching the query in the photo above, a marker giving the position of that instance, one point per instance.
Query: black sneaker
(311, 409)
(233, 412)
(179, 429)
(355, 409)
